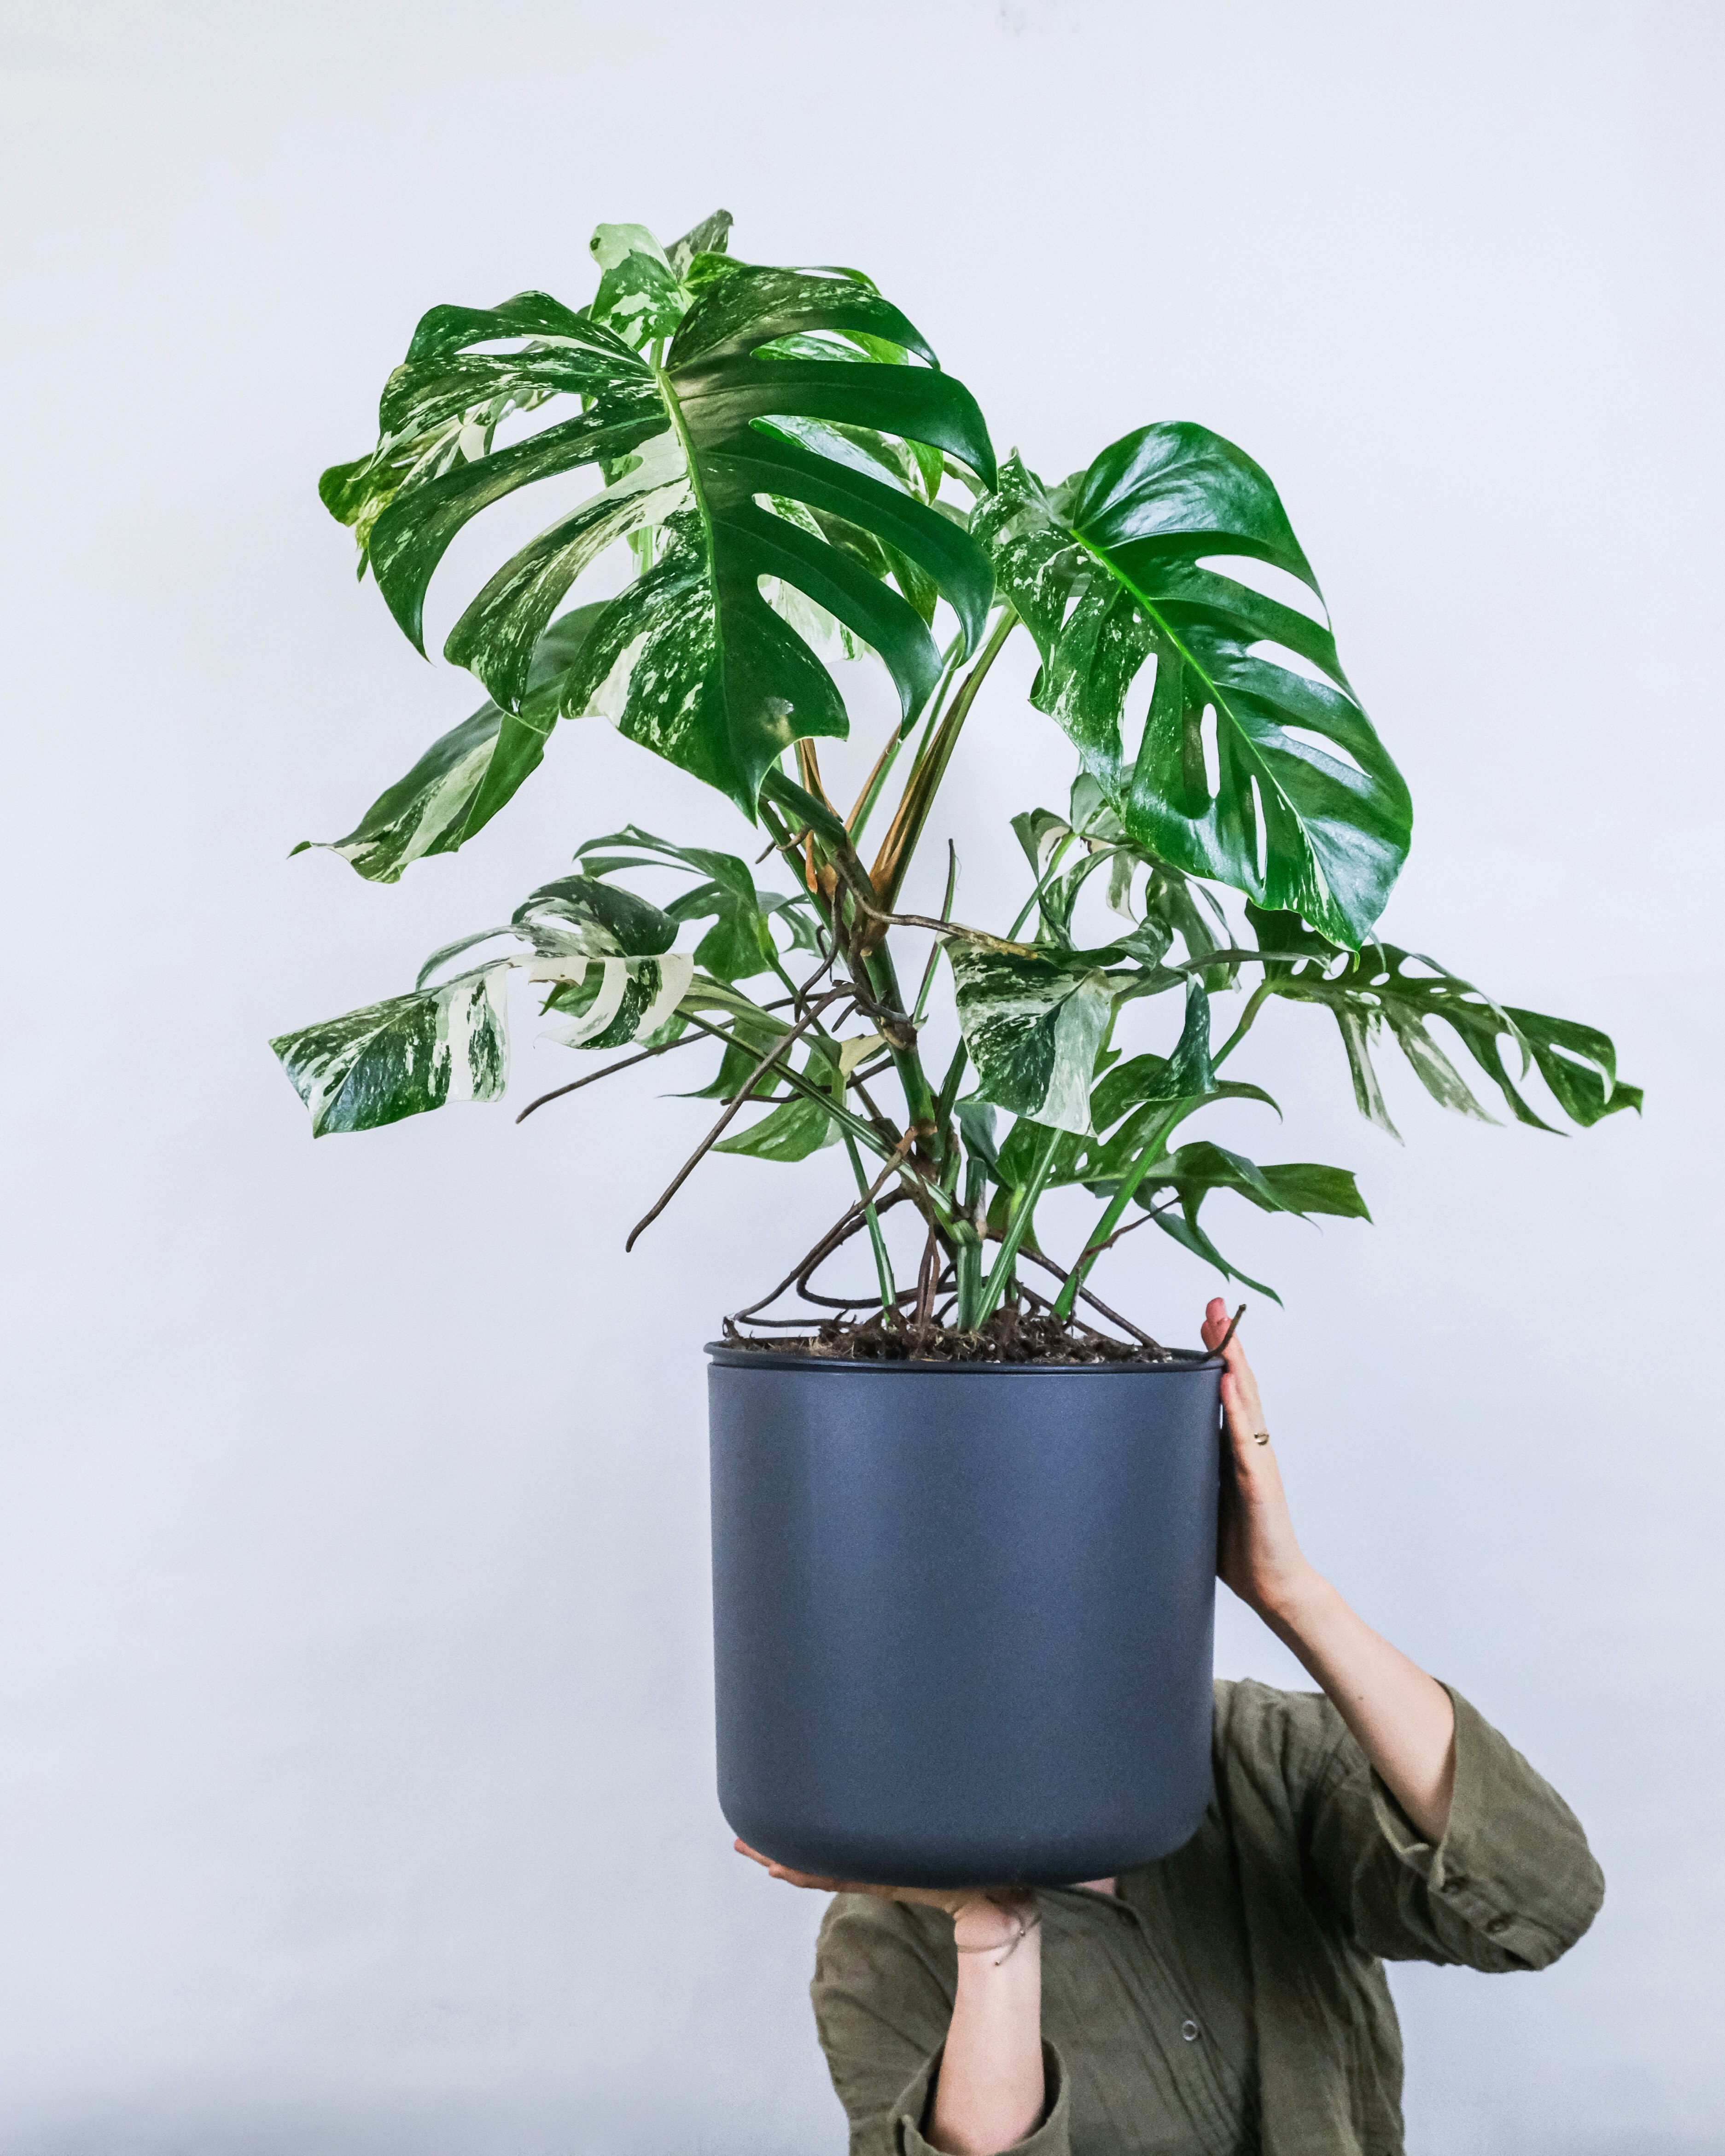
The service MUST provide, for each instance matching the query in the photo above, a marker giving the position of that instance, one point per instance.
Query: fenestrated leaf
(1300, 1186)
(1033, 1025)
(1577, 1062)
(1379, 987)
(1192, 1172)
(691, 661)
(405, 1056)
(1106, 574)
(464, 779)
(739, 945)
(1305, 1186)
(1185, 1230)
(1173, 905)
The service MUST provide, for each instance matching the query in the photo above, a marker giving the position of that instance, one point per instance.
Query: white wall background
(355, 1784)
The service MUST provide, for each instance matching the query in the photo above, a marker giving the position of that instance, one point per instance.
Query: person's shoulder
(1295, 1738)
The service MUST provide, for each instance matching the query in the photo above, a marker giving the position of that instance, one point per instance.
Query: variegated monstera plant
(790, 471)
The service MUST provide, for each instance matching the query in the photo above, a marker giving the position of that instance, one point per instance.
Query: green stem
(1043, 882)
(995, 1286)
(931, 767)
(949, 1087)
(883, 1263)
(968, 1258)
(1153, 1151)
(934, 955)
(866, 808)
(1255, 1003)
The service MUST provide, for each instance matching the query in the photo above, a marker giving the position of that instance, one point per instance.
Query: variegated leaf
(740, 943)
(616, 1000)
(405, 1056)
(1033, 1026)
(640, 295)
(464, 777)
(581, 915)
(1404, 990)
(692, 660)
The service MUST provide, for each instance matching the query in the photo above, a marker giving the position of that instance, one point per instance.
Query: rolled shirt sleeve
(885, 1977)
(1052, 2137)
(1511, 1885)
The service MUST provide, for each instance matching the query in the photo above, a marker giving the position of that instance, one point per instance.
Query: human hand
(982, 1916)
(1257, 1552)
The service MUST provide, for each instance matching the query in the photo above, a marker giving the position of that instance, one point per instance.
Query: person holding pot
(1230, 1997)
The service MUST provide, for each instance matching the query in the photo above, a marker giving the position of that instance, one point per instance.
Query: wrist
(985, 1926)
(1294, 1606)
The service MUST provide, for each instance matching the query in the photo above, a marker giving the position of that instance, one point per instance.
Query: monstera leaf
(740, 943)
(1384, 989)
(690, 660)
(403, 1057)
(1188, 1176)
(1307, 813)
(466, 776)
(1033, 1022)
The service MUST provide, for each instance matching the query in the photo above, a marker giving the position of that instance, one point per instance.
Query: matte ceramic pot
(962, 1616)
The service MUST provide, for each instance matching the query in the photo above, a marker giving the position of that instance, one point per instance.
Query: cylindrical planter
(962, 1615)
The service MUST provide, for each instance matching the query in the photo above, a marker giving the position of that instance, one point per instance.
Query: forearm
(989, 2094)
(1401, 1717)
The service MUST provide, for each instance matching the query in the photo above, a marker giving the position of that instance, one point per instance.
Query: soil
(1009, 1336)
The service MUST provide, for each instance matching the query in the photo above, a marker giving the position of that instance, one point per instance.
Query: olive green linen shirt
(1232, 1998)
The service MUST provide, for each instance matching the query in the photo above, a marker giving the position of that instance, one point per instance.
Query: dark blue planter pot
(962, 1616)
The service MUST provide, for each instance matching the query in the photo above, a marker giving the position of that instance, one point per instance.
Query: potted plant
(963, 1518)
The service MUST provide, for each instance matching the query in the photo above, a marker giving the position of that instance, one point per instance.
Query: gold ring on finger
(1261, 1437)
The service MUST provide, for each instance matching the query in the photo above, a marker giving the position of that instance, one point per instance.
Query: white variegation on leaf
(430, 811)
(694, 660)
(632, 998)
(404, 1056)
(1033, 1026)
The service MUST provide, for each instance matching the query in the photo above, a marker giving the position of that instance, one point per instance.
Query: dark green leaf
(1106, 577)
(790, 1131)
(692, 660)
(1020, 1154)
(1190, 1236)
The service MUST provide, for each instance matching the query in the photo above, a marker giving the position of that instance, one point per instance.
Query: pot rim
(727, 1358)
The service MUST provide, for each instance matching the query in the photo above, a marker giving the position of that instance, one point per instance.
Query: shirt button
(1191, 2031)
(1499, 1925)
